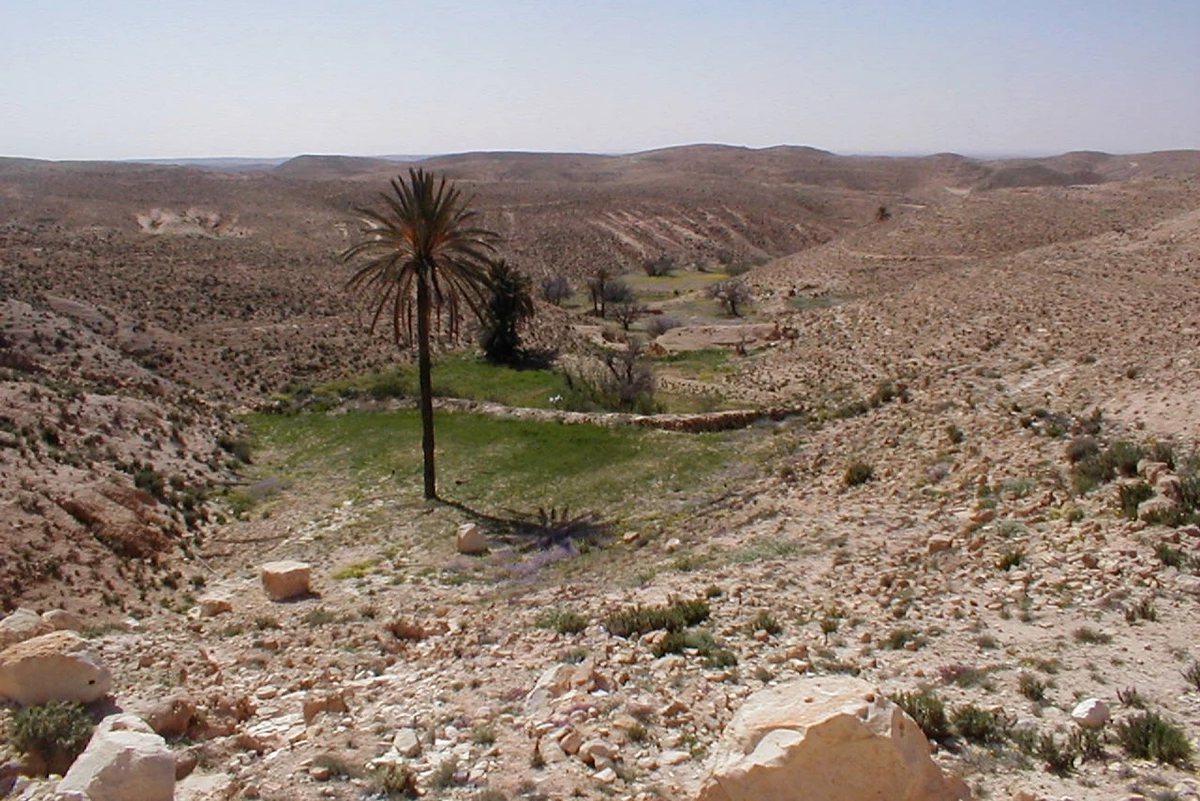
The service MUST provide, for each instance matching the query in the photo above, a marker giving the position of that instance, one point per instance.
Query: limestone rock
(22, 625)
(213, 605)
(1091, 713)
(124, 760)
(62, 620)
(52, 667)
(171, 716)
(407, 743)
(830, 737)
(470, 540)
(285, 580)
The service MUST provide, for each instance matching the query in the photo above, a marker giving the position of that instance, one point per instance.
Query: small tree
(630, 378)
(659, 267)
(508, 305)
(605, 286)
(555, 289)
(731, 293)
(627, 312)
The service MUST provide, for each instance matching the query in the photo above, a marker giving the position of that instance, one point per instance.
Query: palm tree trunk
(424, 369)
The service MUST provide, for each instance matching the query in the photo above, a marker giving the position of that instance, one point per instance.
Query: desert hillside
(948, 443)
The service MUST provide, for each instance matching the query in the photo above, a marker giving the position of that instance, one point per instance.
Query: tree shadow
(542, 529)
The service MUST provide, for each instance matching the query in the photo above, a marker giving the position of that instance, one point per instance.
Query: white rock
(213, 605)
(287, 579)
(825, 738)
(62, 620)
(124, 760)
(1091, 713)
(674, 757)
(52, 667)
(1188, 583)
(470, 540)
(22, 625)
(407, 743)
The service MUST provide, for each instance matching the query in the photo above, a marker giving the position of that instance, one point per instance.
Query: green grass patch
(502, 463)
(458, 375)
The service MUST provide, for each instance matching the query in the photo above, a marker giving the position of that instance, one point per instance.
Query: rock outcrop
(52, 667)
(125, 760)
(819, 739)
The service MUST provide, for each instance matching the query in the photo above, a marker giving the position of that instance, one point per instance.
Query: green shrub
(1010, 559)
(1191, 674)
(1059, 758)
(1089, 636)
(1148, 735)
(926, 708)
(394, 781)
(901, 637)
(858, 472)
(673, 617)
(1142, 610)
(1082, 448)
(765, 621)
(1032, 687)
(981, 726)
(56, 731)
(1133, 495)
(1125, 456)
(564, 621)
(1091, 472)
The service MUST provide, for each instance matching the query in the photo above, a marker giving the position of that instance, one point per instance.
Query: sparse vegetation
(857, 473)
(564, 621)
(928, 710)
(56, 732)
(980, 726)
(673, 617)
(1148, 735)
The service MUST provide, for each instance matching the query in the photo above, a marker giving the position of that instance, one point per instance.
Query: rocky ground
(958, 355)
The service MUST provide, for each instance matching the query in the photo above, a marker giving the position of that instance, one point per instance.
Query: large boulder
(22, 625)
(124, 760)
(825, 738)
(52, 667)
(285, 580)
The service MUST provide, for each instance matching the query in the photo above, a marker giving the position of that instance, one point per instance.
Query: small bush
(1089, 636)
(858, 472)
(56, 731)
(901, 637)
(564, 621)
(483, 734)
(394, 781)
(659, 324)
(1087, 743)
(1142, 610)
(1058, 757)
(1130, 496)
(1125, 457)
(1148, 735)
(1170, 557)
(1082, 448)
(980, 726)
(1132, 698)
(1192, 674)
(927, 709)
(641, 619)
(1032, 687)
(445, 776)
(1010, 559)
(765, 621)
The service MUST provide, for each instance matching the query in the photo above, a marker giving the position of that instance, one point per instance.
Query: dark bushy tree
(508, 306)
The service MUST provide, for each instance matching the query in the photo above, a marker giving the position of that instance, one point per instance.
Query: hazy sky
(166, 78)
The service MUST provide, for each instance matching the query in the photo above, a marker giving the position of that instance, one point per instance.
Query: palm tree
(424, 254)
